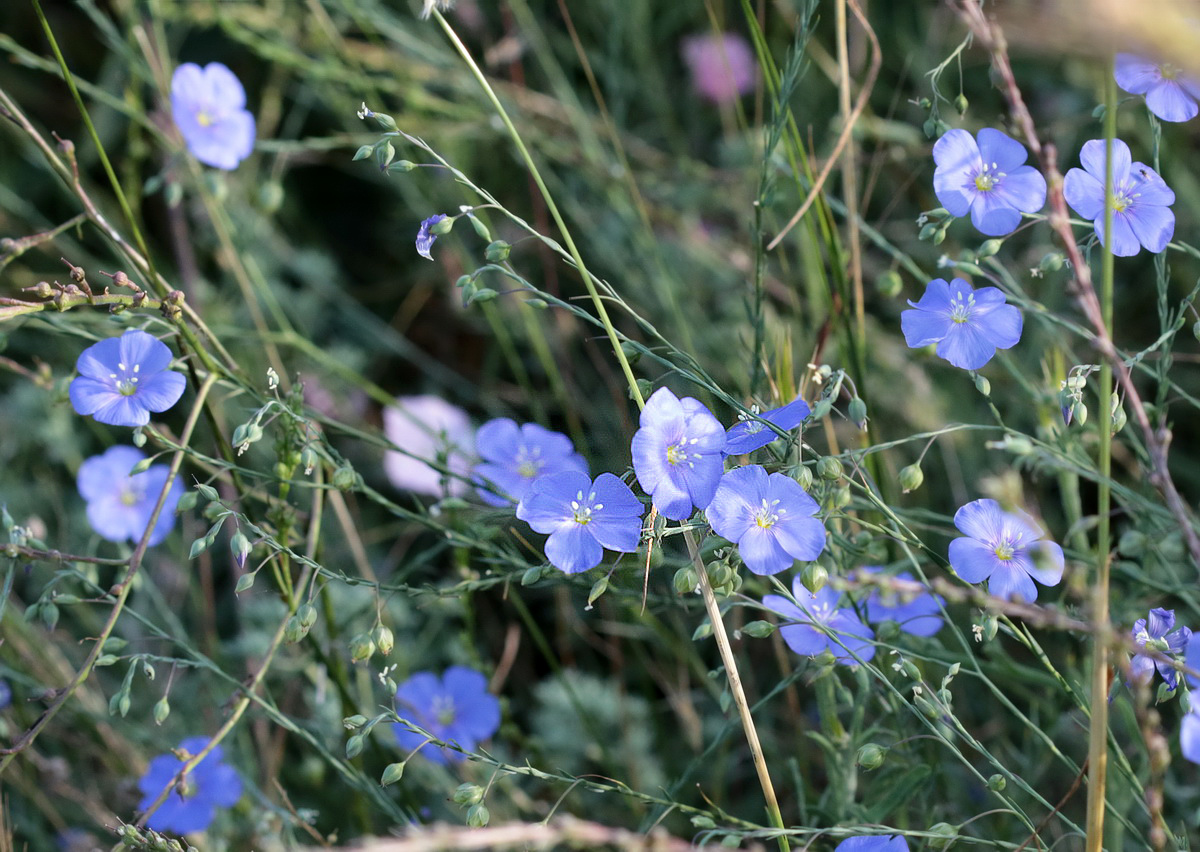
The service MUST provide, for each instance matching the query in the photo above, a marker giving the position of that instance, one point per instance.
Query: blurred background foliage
(303, 259)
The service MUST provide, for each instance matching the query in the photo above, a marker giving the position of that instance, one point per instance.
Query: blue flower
(119, 505)
(1170, 94)
(986, 178)
(209, 107)
(750, 434)
(967, 325)
(1153, 634)
(876, 843)
(210, 785)
(1189, 726)
(769, 518)
(918, 616)
(582, 517)
(454, 708)
(813, 617)
(514, 456)
(5, 694)
(1005, 549)
(425, 238)
(122, 379)
(1141, 199)
(677, 454)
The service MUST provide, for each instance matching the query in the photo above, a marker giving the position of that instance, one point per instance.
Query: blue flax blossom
(425, 238)
(455, 707)
(582, 517)
(986, 176)
(919, 616)
(122, 379)
(514, 456)
(677, 454)
(1155, 633)
(876, 843)
(209, 107)
(770, 519)
(1189, 726)
(749, 434)
(1170, 93)
(119, 505)
(1141, 213)
(210, 785)
(1005, 549)
(812, 618)
(967, 325)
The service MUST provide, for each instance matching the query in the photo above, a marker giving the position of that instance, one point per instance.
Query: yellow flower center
(204, 119)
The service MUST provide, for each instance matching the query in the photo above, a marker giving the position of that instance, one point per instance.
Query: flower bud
(814, 576)
(829, 468)
(945, 835)
(402, 166)
(393, 773)
(105, 660)
(467, 795)
(925, 103)
(245, 582)
(927, 232)
(384, 152)
(531, 575)
(1081, 413)
(240, 546)
(478, 816)
(497, 251)
(870, 756)
(758, 629)
(803, 475)
(162, 709)
(344, 478)
(307, 613)
(294, 630)
(351, 723)
(889, 284)
(354, 746)
(960, 103)
(363, 152)
(990, 247)
(385, 640)
(362, 648)
(1052, 262)
(991, 624)
(983, 385)
(939, 236)
(911, 477)
(481, 230)
(857, 412)
(443, 226)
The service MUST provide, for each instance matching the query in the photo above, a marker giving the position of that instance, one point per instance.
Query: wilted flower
(967, 325)
(812, 619)
(210, 785)
(986, 178)
(582, 517)
(1170, 94)
(920, 616)
(454, 708)
(208, 105)
(122, 379)
(120, 505)
(769, 517)
(1153, 634)
(1140, 215)
(1004, 548)
(514, 456)
(722, 66)
(428, 429)
(425, 238)
(677, 453)
(750, 433)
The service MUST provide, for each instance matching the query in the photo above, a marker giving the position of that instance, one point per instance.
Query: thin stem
(1097, 733)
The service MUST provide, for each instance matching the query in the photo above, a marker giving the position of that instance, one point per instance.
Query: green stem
(1097, 733)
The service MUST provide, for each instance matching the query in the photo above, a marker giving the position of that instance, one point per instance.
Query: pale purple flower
(119, 505)
(514, 456)
(769, 518)
(428, 429)
(209, 107)
(812, 618)
(677, 454)
(876, 843)
(454, 708)
(749, 434)
(1170, 93)
(722, 66)
(1004, 548)
(967, 325)
(122, 379)
(986, 176)
(919, 616)
(425, 238)
(1189, 726)
(210, 785)
(1155, 633)
(1141, 214)
(582, 517)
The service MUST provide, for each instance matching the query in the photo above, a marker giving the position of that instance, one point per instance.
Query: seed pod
(870, 756)
(829, 468)
(911, 477)
(393, 773)
(467, 795)
(814, 576)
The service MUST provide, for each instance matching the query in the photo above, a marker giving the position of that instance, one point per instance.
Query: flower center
(960, 309)
(1123, 199)
(582, 509)
(126, 380)
(130, 497)
(443, 710)
(768, 515)
(1169, 71)
(989, 177)
(677, 454)
(1156, 644)
(530, 462)
(1007, 548)
(203, 118)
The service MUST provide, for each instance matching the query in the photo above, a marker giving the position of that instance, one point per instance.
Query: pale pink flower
(722, 66)
(428, 428)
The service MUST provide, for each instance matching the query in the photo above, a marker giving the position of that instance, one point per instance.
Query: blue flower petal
(1084, 193)
(1009, 582)
(966, 347)
(972, 560)
(572, 549)
(1153, 227)
(761, 551)
(1170, 102)
(1134, 74)
(1189, 736)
